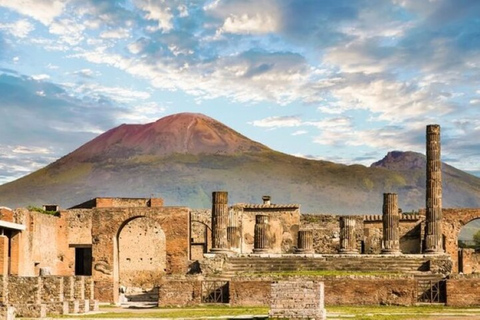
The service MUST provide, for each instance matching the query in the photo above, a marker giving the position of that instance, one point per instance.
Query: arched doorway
(469, 247)
(141, 258)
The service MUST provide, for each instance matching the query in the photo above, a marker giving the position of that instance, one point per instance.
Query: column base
(391, 252)
(346, 251)
(260, 251)
(304, 251)
(220, 250)
(433, 251)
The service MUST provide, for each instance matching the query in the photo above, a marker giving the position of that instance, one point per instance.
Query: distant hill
(184, 157)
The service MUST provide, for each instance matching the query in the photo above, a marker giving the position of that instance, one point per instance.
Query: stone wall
(463, 291)
(107, 223)
(469, 261)
(283, 226)
(297, 300)
(250, 293)
(180, 292)
(452, 223)
(201, 233)
(36, 297)
(42, 245)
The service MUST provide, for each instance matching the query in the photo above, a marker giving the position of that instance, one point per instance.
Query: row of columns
(223, 235)
(391, 226)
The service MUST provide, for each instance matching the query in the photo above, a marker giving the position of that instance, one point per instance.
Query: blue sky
(337, 80)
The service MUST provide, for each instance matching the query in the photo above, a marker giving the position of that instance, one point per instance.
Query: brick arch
(453, 221)
(106, 225)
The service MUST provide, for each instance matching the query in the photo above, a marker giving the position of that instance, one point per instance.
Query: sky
(339, 80)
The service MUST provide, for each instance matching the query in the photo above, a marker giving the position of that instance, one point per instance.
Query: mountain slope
(184, 157)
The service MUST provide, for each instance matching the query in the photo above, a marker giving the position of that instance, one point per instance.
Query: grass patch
(321, 273)
(185, 312)
(398, 312)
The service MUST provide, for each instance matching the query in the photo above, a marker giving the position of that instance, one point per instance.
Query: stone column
(4, 260)
(260, 241)
(348, 237)
(391, 224)
(433, 221)
(305, 242)
(233, 236)
(219, 222)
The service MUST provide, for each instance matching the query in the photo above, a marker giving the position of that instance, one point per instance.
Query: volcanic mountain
(184, 157)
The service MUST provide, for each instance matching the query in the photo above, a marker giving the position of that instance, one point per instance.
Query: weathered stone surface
(463, 291)
(7, 312)
(433, 227)
(297, 300)
(29, 310)
(24, 290)
(180, 292)
(250, 293)
(107, 222)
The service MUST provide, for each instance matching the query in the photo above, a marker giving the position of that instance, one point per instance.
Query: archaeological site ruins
(119, 250)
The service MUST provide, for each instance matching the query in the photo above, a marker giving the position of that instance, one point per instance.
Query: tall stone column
(348, 237)
(433, 223)
(260, 240)
(391, 224)
(219, 222)
(305, 242)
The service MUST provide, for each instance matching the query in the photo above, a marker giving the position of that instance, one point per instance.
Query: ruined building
(116, 249)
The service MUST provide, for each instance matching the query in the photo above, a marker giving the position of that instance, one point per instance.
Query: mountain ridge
(184, 157)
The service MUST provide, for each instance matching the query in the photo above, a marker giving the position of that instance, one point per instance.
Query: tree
(476, 239)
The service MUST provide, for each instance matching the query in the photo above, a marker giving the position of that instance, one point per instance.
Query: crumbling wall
(142, 255)
(470, 261)
(35, 297)
(43, 244)
(250, 293)
(180, 292)
(106, 225)
(283, 221)
(463, 290)
(201, 233)
(453, 221)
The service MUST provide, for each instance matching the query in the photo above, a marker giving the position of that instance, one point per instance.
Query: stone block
(94, 306)
(30, 310)
(73, 306)
(83, 306)
(57, 308)
(7, 312)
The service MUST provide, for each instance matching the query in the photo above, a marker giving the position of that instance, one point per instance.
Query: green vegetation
(398, 312)
(321, 273)
(37, 209)
(333, 312)
(189, 312)
(476, 239)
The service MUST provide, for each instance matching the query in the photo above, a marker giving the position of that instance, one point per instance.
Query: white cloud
(278, 122)
(70, 31)
(20, 28)
(299, 132)
(40, 77)
(157, 11)
(115, 34)
(30, 150)
(119, 94)
(246, 24)
(44, 11)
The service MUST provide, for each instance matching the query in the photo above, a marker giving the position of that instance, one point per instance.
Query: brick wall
(463, 291)
(250, 293)
(180, 292)
(338, 291)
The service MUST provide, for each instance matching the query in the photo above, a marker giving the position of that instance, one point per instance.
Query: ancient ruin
(118, 250)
